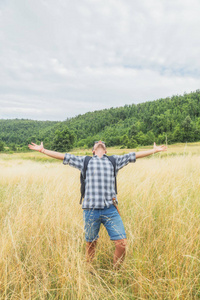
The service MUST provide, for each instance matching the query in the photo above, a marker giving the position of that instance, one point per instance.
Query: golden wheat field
(42, 247)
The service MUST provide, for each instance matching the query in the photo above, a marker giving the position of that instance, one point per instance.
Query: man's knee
(90, 245)
(121, 243)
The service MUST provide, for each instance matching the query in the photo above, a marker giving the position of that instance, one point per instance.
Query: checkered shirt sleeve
(74, 161)
(123, 160)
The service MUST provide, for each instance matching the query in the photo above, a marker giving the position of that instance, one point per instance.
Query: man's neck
(100, 153)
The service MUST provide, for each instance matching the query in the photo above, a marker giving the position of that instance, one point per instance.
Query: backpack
(83, 174)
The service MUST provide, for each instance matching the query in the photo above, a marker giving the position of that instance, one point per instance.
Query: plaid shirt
(100, 180)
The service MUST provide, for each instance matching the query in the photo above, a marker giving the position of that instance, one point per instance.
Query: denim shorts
(109, 217)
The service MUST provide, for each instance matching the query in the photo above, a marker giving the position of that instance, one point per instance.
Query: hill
(176, 119)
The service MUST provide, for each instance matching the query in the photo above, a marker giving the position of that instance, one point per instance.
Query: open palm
(159, 148)
(36, 147)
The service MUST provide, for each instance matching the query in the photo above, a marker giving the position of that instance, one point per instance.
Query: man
(98, 206)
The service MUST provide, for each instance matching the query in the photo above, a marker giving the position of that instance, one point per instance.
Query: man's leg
(90, 251)
(91, 226)
(120, 251)
(115, 228)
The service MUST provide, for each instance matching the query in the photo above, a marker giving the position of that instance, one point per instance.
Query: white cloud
(73, 57)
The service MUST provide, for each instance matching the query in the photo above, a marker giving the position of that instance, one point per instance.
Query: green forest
(174, 119)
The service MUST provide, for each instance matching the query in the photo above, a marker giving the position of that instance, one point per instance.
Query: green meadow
(42, 253)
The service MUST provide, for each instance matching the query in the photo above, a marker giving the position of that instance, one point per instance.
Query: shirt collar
(104, 155)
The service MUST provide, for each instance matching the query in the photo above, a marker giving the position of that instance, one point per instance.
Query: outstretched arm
(155, 149)
(50, 153)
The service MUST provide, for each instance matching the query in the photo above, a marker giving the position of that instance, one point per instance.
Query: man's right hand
(35, 147)
(50, 153)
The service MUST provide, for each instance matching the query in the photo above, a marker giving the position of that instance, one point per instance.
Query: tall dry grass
(42, 253)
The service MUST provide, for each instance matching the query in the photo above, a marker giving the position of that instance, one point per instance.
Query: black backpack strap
(86, 161)
(83, 176)
(113, 161)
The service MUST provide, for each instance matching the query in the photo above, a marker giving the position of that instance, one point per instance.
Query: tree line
(175, 119)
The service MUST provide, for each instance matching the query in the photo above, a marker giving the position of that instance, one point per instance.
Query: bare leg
(90, 250)
(120, 251)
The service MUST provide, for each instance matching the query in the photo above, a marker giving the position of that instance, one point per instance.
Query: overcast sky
(61, 58)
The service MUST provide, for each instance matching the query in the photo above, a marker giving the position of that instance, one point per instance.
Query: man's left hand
(159, 148)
